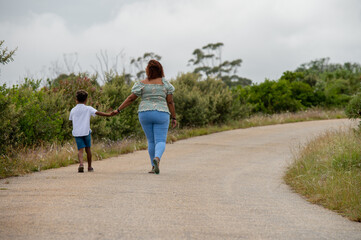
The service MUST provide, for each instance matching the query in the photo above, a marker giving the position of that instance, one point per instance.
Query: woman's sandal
(156, 165)
(81, 168)
(152, 171)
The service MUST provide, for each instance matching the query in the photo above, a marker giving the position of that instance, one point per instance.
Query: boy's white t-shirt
(80, 116)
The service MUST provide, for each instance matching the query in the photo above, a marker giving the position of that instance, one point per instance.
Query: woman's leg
(160, 129)
(147, 125)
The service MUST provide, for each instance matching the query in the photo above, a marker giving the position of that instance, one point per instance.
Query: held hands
(108, 114)
(115, 112)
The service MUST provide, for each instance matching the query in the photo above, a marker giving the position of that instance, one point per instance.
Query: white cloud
(270, 36)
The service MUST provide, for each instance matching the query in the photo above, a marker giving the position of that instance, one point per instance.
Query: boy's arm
(103, 114)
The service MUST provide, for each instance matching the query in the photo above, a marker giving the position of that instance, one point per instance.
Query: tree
(6, 56)
(208, 62)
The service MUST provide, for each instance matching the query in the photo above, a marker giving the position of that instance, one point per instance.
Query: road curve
(222, 186)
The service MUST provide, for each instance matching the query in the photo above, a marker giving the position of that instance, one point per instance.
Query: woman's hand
(174, 123)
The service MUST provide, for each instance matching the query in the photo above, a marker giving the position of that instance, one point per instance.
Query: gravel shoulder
(226, 185)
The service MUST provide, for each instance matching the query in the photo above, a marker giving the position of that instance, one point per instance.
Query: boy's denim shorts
(84, 141)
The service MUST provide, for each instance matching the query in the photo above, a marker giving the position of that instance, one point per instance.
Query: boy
(80, 116)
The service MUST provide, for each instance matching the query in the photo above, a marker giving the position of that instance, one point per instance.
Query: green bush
(271, 97)
(337, 92)
(191, 105)
(27, 119)
(304, 93)
(200, 102)
(10, 134)
(353, 109)
(126, 123)
(219, 100)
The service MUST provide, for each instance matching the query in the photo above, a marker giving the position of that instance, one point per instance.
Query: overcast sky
(270, 36)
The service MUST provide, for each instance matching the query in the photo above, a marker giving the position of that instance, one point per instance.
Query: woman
(154, 110)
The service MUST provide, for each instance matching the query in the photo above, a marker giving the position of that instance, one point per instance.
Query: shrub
(27, 117)
(199, 102)
(353, 109)
(126, 123)
(9, 128)
(304, 93)
(337, 92)
(191, 105)
(271, 97)
(219, 100)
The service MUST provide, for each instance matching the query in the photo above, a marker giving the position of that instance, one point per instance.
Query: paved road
(221, 186)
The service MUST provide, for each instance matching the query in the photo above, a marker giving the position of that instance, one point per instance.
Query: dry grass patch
(26, 160)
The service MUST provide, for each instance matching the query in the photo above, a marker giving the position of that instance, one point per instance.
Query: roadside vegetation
(35, 132)
(327, 171)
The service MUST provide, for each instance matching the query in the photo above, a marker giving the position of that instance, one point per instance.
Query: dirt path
(221, 186)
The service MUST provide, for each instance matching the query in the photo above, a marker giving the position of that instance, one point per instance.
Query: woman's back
(153, 81)
(153, 94)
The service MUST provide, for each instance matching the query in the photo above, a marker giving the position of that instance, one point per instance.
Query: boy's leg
(81, 145)
(89, 157)
(87, 141)
(80, 156)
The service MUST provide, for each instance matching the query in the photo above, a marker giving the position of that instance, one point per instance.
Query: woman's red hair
(154, 69)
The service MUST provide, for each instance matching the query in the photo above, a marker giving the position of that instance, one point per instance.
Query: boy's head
(81, 96)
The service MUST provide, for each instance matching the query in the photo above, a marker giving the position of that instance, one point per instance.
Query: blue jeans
(155, 125)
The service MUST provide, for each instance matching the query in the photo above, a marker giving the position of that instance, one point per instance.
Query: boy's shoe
(90, 169)
(156, 165)
(81, 168)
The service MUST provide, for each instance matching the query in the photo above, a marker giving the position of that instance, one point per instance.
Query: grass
(27, 160)
(327, 171)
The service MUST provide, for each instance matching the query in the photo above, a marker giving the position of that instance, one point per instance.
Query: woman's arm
(130, 99)
(171, 108)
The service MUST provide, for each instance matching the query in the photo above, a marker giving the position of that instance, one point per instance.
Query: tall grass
(327, 171)
(25, 160)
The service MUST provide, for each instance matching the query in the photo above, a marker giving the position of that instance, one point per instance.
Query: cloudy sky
(270, 36)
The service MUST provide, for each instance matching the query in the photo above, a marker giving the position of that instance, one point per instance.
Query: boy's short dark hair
(81, 96)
